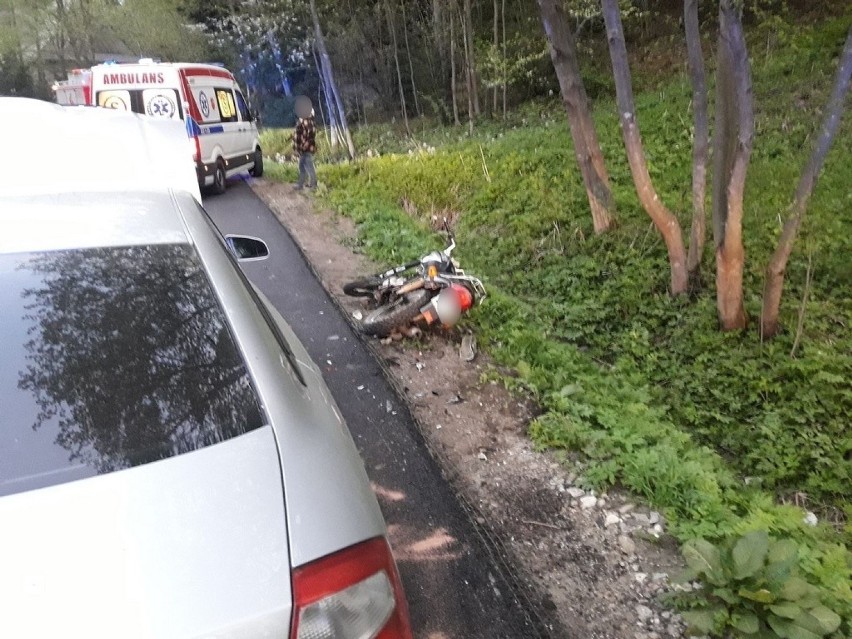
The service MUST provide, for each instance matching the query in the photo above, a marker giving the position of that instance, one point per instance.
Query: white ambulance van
(223, 135)
(76, 90)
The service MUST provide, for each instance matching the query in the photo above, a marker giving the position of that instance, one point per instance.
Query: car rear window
(113, 358)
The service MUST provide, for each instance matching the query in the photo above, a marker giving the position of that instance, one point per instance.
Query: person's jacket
(305, 137)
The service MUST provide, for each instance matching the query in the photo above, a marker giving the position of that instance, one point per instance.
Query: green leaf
(805, 626)
(571, 389)
(797, 632)
(760, 596)
(783, 551)
(749, 553)
(704, 558)
(726, 594)
(780, 626)
(787, 610)
(746, 623)
(794, 589)
(781, 561)
(701, 620)
(827, 619)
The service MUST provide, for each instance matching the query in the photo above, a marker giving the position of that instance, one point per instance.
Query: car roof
(49, 148)
(58, 221)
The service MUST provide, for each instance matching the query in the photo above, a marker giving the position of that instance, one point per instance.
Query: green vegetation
(715, 428)
(754, 587)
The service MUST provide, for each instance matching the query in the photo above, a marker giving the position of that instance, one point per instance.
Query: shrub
(752, 588)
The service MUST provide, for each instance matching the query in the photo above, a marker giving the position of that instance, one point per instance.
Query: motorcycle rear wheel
(382, 321)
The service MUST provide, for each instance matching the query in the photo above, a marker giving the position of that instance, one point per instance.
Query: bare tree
(410, 63)
(563, 53)
(734, 132)
(472, 97)
(392, 28)
(505, 74)
(453, 79)
(700, 144)
(328, 76)
(471, 57)
(778, 262)
(332, 126)
(663, 219)
(496, 44)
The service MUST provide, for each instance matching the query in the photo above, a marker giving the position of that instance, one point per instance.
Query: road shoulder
(598, 561)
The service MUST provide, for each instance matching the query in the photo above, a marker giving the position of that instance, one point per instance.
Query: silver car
(171, 461)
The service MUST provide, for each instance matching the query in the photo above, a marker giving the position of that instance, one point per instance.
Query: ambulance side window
(227, 107)
(245, 114)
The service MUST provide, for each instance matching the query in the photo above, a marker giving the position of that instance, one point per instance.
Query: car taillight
(353, 594)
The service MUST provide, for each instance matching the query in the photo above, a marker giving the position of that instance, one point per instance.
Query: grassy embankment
(718, 430)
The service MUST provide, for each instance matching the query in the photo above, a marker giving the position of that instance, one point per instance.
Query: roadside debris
(467, 350)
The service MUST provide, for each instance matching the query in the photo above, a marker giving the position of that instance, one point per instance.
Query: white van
(222, 130)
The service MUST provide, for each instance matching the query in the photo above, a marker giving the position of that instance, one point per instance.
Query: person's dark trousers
(306, 170)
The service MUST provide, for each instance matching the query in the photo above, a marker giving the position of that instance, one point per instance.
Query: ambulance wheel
(257, 169)
(219, 179)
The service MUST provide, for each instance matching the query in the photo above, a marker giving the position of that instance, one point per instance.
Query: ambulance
(222, 130)
(76, 90)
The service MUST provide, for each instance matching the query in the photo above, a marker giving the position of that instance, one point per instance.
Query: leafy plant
(752, 588)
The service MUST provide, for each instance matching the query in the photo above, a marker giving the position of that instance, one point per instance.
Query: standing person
(305, 142)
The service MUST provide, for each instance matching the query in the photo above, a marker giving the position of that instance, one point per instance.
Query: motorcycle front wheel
(396, 314)
(362, 288)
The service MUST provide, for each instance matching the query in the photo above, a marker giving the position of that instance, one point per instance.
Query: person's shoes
(298, 187)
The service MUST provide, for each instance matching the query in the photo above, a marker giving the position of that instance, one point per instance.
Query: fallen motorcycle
(431, 289)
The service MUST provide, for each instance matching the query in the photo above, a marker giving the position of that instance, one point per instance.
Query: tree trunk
(322, 94)
(663, 219)
(563, 53)
(328, 73)
(471, 57)
(410, 63)
(735, 133)
(496, 45)
(778, 262)
(701, 136)
(469, 77)
(363, 93)
(453, 79)
(441, 45)
(60, 40)
(392, 28)
(505, 73)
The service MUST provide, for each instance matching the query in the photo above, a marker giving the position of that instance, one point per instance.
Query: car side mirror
(247, 248)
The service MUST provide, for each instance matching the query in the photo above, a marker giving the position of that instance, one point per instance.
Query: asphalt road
(455, 588)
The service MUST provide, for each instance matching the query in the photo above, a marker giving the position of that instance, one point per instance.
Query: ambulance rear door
(148, 89)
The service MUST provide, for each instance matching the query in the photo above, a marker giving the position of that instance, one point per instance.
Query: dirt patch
(599, 560)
